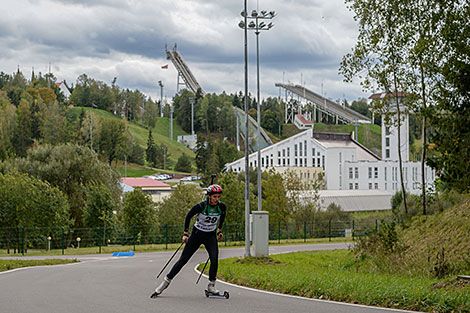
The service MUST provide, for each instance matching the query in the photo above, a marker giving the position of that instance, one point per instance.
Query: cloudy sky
(126, 39)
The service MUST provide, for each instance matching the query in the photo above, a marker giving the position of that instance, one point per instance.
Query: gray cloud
(126, 39)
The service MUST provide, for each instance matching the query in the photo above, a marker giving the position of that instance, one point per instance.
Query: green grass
(331, 275)
(161, 247)
(135, 170)
(6, 265)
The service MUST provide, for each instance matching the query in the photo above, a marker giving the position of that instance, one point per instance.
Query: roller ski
(212, 292)
(225, 295)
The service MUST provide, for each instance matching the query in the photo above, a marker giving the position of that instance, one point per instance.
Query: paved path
(100, 283)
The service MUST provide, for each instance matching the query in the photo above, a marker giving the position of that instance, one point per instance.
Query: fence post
(134, 235)
(99, 239)
(353, 230)
(63, 240)
(22, 240)
(166, 236)
(279, 232)
(226, 233)
(329, 230)
(305, 231)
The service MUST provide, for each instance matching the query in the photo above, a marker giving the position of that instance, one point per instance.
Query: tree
(71, 168)
(380, 51)
(173, 209)
(7, 128)
(100, 207)
(151, 151)
(29, 202)
(23, 137)
(234, 197)
(113, 138)
(139, 211)
(183, 164)
(449, 122)
(275, 199)
(52, 123)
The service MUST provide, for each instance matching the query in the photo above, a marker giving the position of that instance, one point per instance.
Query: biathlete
(207, 230)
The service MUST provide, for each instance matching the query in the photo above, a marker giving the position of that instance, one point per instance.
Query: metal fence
(23, 239)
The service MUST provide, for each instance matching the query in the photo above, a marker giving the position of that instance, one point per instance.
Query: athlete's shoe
(164, 284)
(211, 287)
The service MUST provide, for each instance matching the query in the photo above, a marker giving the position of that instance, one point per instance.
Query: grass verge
(331, 275)
(161, 247)
(6, 265)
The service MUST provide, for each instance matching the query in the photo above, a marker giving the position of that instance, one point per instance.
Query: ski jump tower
(183, 71)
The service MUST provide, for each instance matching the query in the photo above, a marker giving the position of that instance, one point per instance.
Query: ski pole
(202, 270)
(169, 260)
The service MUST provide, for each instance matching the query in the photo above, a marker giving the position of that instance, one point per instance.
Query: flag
(165, 66)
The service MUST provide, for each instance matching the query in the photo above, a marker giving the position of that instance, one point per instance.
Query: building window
(300, 149)
(271, 162)
(385, 186)
(376, 186)
(356, 186)
(283, 162)
(313, 162)
(376, 172)
(288, 162)
(370, 185)
(301, 162)
(350, 173)
(283, 152)
(323, 162)
(385, 173)
(262, 161)
(387, 142)
(279, 161)
(340, 157)
(313, 151)
(387, 130)
(288, 151)
(351, 186)
(295, 150)
(295, 162)
(387, 153)
(370, 172)
(305, 162)
(356, 172)
(305, 147)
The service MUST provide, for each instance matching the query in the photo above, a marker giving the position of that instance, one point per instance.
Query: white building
(346, 164)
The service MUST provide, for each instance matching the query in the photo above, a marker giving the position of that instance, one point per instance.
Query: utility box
(261, 233)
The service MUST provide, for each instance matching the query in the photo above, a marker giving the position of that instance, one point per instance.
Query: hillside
(448, 232)
(160, 133)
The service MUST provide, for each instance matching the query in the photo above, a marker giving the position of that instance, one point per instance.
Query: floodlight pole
(247, 169)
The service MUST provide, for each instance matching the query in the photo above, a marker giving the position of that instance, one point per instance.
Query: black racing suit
(204, 232)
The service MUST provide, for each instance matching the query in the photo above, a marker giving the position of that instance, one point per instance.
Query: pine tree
(151, 153)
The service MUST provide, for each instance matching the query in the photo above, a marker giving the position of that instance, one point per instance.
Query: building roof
(143, 182)
(387, 94)
(342, 140)
(302, 119)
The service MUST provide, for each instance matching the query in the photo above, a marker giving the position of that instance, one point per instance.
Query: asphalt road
(101, 283)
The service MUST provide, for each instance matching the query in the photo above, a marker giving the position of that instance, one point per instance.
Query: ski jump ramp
(323, 108)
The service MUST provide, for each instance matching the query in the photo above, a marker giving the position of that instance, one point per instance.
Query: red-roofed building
(302, 123)
(157, 189)
(64, 89)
